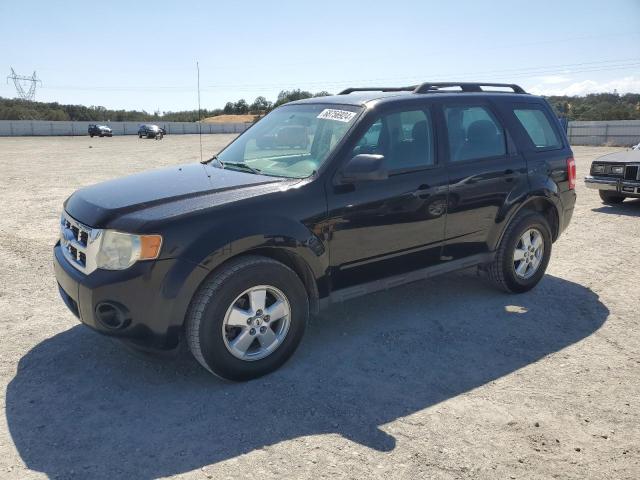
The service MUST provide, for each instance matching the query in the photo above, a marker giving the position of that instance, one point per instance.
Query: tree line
(599, 106)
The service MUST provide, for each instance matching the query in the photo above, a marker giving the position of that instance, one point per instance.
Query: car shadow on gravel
(629, 208)
(80, 407)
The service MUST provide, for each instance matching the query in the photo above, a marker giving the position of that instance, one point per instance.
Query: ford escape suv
(390, 186)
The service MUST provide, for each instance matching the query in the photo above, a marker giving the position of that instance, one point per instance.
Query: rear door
(546, 150)
(485, 174)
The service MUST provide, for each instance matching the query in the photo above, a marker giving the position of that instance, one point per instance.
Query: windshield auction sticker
(338, 115)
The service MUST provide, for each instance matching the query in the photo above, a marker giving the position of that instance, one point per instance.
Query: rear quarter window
(538, 127)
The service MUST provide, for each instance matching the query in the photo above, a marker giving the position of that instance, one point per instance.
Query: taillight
(571, 172)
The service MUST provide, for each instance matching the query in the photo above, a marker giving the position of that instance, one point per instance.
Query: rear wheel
(248, 318)
(523, 255)
(611, 198)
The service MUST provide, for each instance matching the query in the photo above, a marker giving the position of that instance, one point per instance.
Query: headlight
(619, 170)
(598, 168)
(121, 250)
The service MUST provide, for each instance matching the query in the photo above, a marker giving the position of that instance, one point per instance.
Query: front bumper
(153, 297)
(618, 185)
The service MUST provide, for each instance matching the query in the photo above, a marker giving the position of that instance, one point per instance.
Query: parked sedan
(99, 131)
(150, 131)
(616, 176)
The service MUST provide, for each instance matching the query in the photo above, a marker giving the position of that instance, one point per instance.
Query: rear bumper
(150, 298)
(618, 185)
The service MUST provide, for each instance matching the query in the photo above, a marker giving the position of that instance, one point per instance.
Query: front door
(386, 227)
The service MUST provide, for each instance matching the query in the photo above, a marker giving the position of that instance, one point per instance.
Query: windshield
(291, 141)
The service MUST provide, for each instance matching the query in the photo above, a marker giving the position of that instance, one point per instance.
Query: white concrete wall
(607, 132)
(614, 132)
(45, 128)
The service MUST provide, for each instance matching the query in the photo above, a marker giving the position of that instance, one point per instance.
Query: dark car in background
(99, 131)
(394, 185)
(150, 131)
(616, 176)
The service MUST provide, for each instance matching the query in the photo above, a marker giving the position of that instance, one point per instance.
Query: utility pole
(18, 80)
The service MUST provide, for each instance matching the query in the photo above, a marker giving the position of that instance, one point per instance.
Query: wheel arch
(542, 204)
(306, 257)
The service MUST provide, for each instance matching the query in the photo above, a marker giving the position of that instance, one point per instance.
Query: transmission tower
(19, 80)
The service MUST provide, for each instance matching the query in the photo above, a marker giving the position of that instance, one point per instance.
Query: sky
(128, 55)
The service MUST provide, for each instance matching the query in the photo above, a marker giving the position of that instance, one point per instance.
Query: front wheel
(523, 255)
(611, 198)
(248, 318)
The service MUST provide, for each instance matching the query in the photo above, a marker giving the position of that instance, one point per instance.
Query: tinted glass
(474, 133)
(538, 127)
(404, 138)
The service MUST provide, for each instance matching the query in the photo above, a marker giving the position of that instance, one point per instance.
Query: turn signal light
(150, 246)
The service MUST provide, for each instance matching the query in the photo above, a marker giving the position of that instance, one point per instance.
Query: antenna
(199, 111)
(19, 79)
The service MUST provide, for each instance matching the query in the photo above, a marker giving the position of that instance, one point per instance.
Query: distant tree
(600, 106)
(241, 107)
(286, 96)
(260, 104)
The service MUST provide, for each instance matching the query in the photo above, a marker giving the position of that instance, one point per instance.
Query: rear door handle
(508, 175)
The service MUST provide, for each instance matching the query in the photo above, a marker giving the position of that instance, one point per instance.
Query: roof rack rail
(434, 87)
(430, 87)
(378, 89)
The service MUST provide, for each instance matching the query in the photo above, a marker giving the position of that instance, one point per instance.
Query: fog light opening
(112, 315)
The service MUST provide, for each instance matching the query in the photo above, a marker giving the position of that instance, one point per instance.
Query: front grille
(77, 243)
(631, 172)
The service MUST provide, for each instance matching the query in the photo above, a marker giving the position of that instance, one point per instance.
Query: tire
(208, 316)
(611, 198)
(505, 270)
(91, 135)
(139, 136)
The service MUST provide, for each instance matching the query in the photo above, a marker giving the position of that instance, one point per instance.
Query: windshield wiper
(239, 165)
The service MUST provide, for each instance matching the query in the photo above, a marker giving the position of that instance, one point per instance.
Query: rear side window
(538, 127)
(474, 133)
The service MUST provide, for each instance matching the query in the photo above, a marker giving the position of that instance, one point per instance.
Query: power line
(523, 72)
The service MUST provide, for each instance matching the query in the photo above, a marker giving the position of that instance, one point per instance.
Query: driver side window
(404, 138)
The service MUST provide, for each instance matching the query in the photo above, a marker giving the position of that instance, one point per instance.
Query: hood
(628, 156)
(99, 204)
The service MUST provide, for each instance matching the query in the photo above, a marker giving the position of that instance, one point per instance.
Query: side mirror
(364, 167)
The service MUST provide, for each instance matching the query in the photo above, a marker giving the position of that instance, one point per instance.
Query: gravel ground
(442, 379)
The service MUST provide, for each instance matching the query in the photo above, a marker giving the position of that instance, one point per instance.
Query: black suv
(99, 131)
(393, 185)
